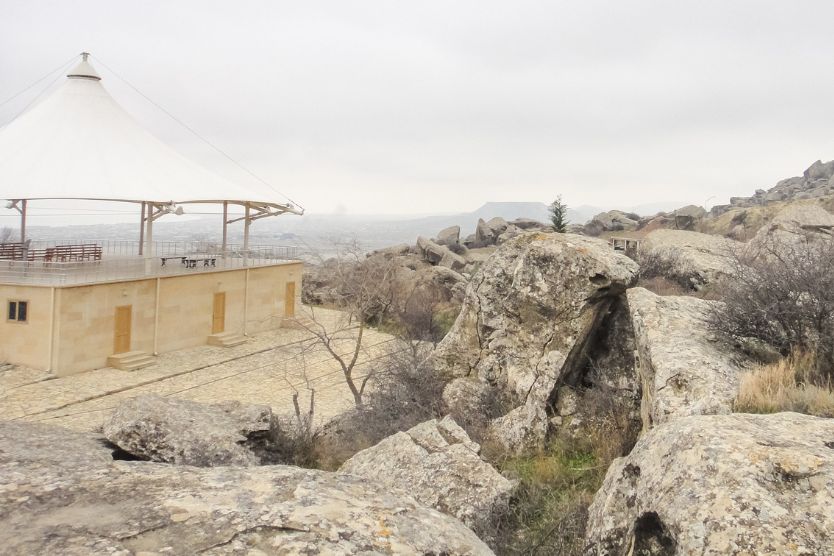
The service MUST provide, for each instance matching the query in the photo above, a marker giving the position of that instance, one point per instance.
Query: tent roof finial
(84, 69)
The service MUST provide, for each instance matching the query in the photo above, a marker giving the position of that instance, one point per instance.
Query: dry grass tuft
(790, 384)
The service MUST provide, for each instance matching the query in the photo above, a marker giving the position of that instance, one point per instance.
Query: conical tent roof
(80, 144)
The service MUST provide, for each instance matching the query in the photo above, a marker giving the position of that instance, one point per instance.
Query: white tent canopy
(80, 144)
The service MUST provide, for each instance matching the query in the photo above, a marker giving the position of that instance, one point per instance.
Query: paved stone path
(267, 369)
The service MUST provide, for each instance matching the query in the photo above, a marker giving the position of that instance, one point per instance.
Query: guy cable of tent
(17, 94)
(196, 134)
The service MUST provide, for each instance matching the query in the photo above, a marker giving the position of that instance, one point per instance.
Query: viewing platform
(80, 262)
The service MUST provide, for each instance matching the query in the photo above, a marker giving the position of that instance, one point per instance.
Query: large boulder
(723, 484)
(487, 232)
(448, 236)
(170, 430)
(819, 170)
(702, 259)
(684, 368)
(529, 312)
(61, 492)
(686, 217)
(614, 220)
(440, 254)
(796, 223)
(438, 464)
(528, 224)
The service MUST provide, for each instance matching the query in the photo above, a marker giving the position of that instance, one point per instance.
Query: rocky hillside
(556, 347)
(740, 219)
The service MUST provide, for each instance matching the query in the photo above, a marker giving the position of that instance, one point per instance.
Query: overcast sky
(438, 106)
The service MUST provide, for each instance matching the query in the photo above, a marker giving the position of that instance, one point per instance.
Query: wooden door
(218, 316)
(121, 341)
(289, 300)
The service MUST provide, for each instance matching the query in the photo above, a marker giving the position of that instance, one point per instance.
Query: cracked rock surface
(526, 320)
(62, 493)
(684, 369)
(438, 464)
(720, 484)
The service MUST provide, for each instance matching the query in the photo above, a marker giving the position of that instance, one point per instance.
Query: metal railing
(130, 248)
(121, 261)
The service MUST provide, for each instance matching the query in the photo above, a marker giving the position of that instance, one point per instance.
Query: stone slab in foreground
(721, 484)
(62, 493)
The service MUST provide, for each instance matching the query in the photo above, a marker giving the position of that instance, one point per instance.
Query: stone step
(300, 321)
(130, 361)
(226, 339)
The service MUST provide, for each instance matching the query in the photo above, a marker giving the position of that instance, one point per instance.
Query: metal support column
(142, 230)
(225, 226)
(247, 220)
(23, 221)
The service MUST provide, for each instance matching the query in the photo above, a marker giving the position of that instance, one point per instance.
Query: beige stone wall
(86, 322)
(26, 344)
(85, 325)
(266, 303)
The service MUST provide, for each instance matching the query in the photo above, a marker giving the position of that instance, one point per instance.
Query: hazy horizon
(386, 108)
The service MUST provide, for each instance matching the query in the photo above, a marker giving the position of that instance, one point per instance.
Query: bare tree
(361, 288)
(5, 234)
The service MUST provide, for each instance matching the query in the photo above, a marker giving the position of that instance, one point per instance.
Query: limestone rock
(439, 254)
(448, 275)
(171, 430)
(529, 311)
(487, 232)
(452, 261)
(817, 181)
(722, 484)
(819, 170)
(524, 429)
(396, 250)
(62, 493)
(448, 236)
(614, 220)
(466, 396)
(528, 224)
(704, 258)
(683, 368)
(795, 223)
(686, 217)
(437, 464)
(509, 232)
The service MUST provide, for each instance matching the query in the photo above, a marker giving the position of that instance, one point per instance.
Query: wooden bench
(64, 253)
(13, 251)
(191, 261)
(166, 259)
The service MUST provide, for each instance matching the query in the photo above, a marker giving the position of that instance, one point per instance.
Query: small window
(18, 311)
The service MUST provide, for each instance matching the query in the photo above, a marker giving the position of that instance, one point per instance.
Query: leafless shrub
(782, 293)
(593, 228)
(5, 234)
(406, 392)
(425, 314)
(665, 263)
